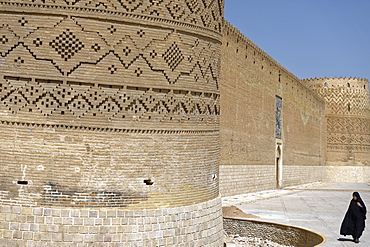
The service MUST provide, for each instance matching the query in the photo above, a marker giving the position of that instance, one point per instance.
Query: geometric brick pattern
(344, 124)
(72, 44)
(348, 142)
(203, 13)
(87, 101)
(110, 104)
(345, 101)
(136, 68)
(348, 119)
(66, 44)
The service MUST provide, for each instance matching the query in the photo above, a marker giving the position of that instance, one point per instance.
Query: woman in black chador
(354, 220)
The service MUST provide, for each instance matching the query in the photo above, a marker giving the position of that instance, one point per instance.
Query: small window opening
(22, 182)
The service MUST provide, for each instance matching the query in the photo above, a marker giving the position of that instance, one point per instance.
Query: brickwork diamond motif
(66, 44)
(173, 56)
(176, 9)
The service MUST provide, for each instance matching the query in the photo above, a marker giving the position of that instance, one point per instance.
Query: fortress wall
(110, 107)
(348, 126)
(250, 82)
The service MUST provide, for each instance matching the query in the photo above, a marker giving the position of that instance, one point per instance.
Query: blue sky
(310, 38)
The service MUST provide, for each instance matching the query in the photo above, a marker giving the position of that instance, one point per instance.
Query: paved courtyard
(319, 207)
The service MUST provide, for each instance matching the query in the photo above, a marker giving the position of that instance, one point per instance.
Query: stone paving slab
(319, 207)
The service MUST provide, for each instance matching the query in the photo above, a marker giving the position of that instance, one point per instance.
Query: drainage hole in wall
(148, 181)
(22, 182)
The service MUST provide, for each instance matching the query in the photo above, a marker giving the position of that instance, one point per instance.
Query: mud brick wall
(250, 83)
(111, 105)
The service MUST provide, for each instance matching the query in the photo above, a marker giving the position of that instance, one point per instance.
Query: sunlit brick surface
(110, 106)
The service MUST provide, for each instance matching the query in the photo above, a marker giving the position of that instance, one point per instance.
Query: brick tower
(348, 126)
(109, 123)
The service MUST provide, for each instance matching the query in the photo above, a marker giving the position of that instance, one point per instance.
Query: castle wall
(250, 82)
(109, 117)
(348, 126)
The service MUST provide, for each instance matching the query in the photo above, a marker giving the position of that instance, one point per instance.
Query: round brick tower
(109, 123)
(348, 125)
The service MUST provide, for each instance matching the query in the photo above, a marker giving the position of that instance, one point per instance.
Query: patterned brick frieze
(177, 72)
(345, 101)
(73, 47)
(202, 15)
(348, 119)
(96, 104)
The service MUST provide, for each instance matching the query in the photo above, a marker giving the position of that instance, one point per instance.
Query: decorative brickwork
(111, 131)
(110, 106)
(348, 118)
(92, 103)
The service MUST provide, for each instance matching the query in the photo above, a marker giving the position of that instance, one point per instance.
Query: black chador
(354, 221)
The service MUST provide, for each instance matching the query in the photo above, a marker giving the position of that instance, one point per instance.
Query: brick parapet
(278, 73)
(353, 82)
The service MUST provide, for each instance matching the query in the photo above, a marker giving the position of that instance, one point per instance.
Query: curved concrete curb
(276, 232)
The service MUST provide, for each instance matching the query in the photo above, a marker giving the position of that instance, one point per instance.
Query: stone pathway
(319, 207)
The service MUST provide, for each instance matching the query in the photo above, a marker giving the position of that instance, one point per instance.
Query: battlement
(234, 34)
(352, 82)
(243, 44)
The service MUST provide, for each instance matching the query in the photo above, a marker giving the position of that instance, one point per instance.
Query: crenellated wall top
(235, 34)
(200, 16)
(351, 82)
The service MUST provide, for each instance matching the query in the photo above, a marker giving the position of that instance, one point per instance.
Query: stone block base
(194, 225)
(242, 179)
(353, 174)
